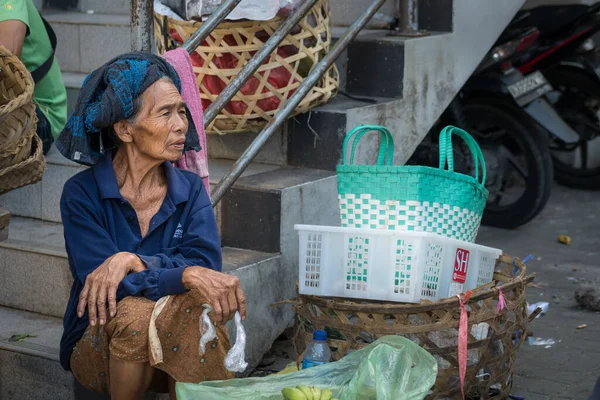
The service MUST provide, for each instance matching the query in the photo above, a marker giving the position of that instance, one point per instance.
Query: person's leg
(596, 392)
(172, 394)
(43, 130)
(115, 357)
(129, 381)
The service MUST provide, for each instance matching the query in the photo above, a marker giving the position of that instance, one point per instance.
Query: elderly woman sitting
(137, 230)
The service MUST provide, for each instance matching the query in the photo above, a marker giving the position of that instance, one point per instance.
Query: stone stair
(403, 83)
(30, 369)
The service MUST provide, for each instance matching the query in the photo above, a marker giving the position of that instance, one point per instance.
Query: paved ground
(569, 369)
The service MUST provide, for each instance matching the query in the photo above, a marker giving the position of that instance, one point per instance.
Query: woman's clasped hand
(223, 291)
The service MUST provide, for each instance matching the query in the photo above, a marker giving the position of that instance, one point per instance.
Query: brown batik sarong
(126, 338)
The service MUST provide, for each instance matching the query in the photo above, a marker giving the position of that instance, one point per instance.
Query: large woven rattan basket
(493, 343)
(229, 47)
(21, 158)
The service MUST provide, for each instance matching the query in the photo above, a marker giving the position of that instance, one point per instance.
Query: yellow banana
(316, 392)
(307, 392)
(326, 394)
(290, 393)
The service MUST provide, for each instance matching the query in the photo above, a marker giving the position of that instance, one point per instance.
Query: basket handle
(447, 156)
(386, 147)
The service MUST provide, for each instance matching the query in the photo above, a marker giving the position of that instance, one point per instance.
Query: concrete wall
(435, 68)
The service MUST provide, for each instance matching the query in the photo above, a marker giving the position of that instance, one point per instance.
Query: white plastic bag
(235, 360)
(165, 10)
(207, 329)
(255, 10)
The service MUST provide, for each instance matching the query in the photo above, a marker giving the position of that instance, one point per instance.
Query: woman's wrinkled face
(161, 125)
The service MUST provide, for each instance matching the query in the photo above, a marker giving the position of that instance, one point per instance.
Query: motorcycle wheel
(518, 161)
(576, 97)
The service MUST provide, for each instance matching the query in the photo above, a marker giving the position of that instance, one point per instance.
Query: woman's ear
(123, 131)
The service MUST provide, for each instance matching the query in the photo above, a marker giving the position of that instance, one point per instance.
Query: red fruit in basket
(277, 78)
(175, 35)
(196, 60)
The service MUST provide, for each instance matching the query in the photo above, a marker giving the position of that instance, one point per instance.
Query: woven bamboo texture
(352, 325)
(27, 172)
(232, 44)
(16, 106)
(21, 158)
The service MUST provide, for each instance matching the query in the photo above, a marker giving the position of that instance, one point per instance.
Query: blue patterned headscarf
(107, 97)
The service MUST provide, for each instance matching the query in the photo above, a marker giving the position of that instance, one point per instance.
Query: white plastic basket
(389, 265)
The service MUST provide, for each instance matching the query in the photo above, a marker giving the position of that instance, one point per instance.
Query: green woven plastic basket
(412, 198)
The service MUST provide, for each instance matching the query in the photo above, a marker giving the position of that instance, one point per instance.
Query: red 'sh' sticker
(461, 264)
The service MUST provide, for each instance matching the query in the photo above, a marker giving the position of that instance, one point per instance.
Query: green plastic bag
(391, 368)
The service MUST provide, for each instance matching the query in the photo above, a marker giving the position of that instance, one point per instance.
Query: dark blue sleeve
(88, 242)
(199, 246)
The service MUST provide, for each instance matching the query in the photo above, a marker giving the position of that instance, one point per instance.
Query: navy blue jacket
(99, 223)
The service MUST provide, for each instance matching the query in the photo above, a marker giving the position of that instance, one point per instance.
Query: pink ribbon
(463, 340)
(501, 303)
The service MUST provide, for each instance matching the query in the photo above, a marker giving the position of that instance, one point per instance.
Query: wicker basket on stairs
(21, 158)
(228, 48)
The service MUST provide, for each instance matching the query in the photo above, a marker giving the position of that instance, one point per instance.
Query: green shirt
(49, 94)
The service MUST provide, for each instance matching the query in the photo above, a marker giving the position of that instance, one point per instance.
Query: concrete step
(432, 15)
(315, 139)
(73, 82)
(86, 41)
(36, 278)
(374, 63)
(106, 6)
(30, 369)
(41, 200)
(268, 198)
(345, 12)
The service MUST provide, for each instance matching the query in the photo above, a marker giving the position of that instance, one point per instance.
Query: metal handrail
(256, 61)
(209, 25)
(257, 144)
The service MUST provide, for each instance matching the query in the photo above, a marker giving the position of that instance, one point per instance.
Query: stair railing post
(407, 13)
(142, 12)
(408, 17)
(280, 117)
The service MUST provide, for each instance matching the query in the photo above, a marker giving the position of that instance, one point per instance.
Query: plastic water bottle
(317, 352)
